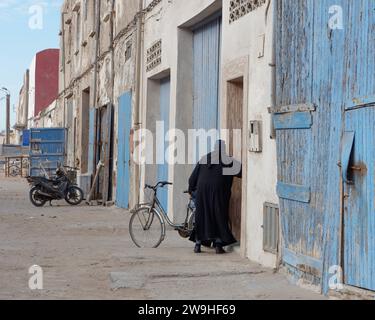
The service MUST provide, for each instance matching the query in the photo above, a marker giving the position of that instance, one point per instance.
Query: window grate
(154, 56)
(270, 227)
(240, 8)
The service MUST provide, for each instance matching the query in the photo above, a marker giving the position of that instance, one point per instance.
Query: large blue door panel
(163, 172)
(334, 70)
(359, 190)
(301, 208)
(207, 45)
(123, 158)
(358, 99)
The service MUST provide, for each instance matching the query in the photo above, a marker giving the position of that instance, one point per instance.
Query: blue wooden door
(322, 69)
(123, 161)
(207, 45)
(358, 163)
(300, 125)
(163, 172)
(358, 147)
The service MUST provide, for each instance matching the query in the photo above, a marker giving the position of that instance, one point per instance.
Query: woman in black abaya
(211, 182)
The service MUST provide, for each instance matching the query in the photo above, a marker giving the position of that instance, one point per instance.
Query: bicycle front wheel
(146, 228)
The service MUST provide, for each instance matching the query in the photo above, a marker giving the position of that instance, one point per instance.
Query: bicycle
(14, 168)
(14, 171)
(148, 222)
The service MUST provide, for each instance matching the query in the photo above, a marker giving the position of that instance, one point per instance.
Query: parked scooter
(58, 188)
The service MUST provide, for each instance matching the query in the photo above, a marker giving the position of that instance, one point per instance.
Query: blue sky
(19, 43)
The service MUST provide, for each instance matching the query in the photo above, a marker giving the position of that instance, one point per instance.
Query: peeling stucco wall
(78, 63)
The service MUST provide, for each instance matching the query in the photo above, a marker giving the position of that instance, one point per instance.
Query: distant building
(39, 90)
(22, 108)
(12, 137)
(43, 82)
(2, 137)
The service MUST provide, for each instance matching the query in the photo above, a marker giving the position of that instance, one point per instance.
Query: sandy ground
(86, 253)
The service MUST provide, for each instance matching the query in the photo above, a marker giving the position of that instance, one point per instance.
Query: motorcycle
(58, 188)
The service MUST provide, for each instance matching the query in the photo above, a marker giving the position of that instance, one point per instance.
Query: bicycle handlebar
(160, 184)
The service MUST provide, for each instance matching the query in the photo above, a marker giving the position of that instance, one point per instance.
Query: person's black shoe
(197, 249)
(220, 250)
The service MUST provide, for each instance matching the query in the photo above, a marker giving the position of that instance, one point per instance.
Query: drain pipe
(97, 40)
(272, 64)
(63, 64)
(273, 5)
(137, 103)
(112, 48)
(95, 165)
(95, 94)
(273, 106)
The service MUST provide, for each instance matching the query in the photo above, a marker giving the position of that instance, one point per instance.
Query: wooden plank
(94, 183)
(297, 120)
(107, 155)
(304, 107)
(302, 262)
(293, 192)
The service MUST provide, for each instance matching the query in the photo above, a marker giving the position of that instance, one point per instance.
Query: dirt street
(86, 253)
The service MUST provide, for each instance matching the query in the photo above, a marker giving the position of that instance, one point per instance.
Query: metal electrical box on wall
(255, 139)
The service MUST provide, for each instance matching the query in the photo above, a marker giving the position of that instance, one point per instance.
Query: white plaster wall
(31, 93)
(241, 38)
(163, 22)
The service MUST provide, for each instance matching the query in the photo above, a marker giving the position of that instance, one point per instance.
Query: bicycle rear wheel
(146, 228)
(14, 171)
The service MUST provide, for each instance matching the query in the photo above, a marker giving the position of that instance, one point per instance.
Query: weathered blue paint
(207, 45)
(47, 150)
(301, 261)
(301, 223)
(347, 147)
(163, 169)
(26, 138)
(92, 132)
(360, 102)
(329, 68)
(359, 215)
(296, 120)
(355, 66)
(293, 192)
(123, 157)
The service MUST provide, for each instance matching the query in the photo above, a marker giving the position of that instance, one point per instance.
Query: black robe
(213, 191)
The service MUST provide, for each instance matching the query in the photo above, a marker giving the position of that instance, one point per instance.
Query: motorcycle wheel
(35, 199)
(74, 196)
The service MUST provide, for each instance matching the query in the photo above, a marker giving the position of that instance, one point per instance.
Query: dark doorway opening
(85, 119)
(104, 153)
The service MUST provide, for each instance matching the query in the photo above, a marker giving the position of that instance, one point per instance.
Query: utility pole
(7, 92)
(7, 139)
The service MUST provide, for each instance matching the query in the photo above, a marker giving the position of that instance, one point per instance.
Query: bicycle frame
(155, 211)
(157, 205)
